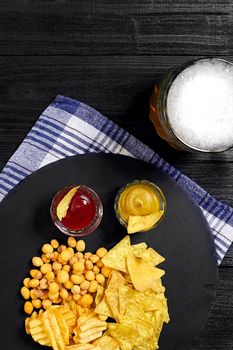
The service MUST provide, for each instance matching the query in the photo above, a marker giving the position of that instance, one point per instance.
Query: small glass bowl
(85, 230)
(157, 190)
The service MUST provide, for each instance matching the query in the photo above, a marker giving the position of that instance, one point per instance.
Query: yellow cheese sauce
(139, 206)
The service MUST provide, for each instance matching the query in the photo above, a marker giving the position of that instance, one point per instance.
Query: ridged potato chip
(106, 343)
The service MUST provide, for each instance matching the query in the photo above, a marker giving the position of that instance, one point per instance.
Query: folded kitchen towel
(68, 127)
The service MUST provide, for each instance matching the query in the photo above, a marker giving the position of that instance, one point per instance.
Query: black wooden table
(109, 54)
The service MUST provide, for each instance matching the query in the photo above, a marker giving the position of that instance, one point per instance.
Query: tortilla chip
(133, 310)
(103, 308)
(125, 336)
(63, 205)
(137, 223)
(116, 257)
(115, 279)
(142, 274)
(150, 256)
(99, 294)
(138, 248)
(158, 287)
(146, 300)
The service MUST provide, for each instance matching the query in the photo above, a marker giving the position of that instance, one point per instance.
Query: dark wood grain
(109, 54)
(116, 27)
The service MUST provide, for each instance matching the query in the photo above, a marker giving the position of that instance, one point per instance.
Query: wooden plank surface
(109, 54)
(124, 27)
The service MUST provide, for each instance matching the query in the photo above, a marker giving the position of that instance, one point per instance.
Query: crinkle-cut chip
(133, 310)
(116, 257)
(137, 223)
(91, 331)
(38, 332)
(88, 339)
(99, 295)
(68, 315)
(56, 329)
(123, 335)
(142, 274)
(147, 300)
(137, 249)
(62, 325)
(150, 256)
(106, 343)
(80, 347)
(26, 324)
(71, 304)
(103, 308)
(85, 317)
(92, 323)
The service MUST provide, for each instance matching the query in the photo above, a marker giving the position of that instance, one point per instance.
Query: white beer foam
(200, 105)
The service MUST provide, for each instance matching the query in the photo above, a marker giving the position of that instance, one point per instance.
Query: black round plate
(183, 238)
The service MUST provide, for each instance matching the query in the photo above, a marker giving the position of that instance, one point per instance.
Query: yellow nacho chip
(123, 335)
(150, 256)
(144, 329)
(142, 274)
(103, 308)
(116, 257)
(147, 300)
(158, 287)
(63, 206)
(133, 310)
(137, 249)
(137, 223)
(99, 294)
(115, 279)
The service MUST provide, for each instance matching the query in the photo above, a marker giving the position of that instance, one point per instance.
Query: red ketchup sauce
(81, 211)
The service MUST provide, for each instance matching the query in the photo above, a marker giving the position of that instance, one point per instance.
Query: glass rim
(162, 103)
(85, 230)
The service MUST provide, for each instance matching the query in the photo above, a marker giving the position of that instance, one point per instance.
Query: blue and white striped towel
(68, 127)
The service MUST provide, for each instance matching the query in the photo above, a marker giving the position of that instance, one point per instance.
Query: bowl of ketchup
(76, 210)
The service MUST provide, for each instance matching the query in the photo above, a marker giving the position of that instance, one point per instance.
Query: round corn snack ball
(28, 307)
(89, 275)
(26, 282)
(37, 261)
(37, 303)
(25, 292)
(71, 242)
(86, 300)
(62, 276)
(53, 287)
(101, 252)
(80, 245)
(54, 243)
(100, 278)
(47, 248)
